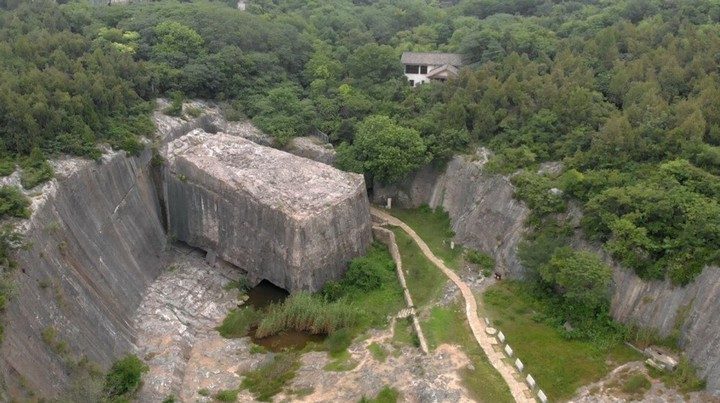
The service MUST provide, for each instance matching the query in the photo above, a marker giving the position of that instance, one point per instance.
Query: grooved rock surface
(483, 212)
(96, 242)
(692, 311)
(485, 215)
(286, 219)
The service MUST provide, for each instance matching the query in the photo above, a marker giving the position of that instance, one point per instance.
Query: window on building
(423, 69)
(412, 69)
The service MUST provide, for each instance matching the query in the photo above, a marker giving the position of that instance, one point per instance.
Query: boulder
(282, 218)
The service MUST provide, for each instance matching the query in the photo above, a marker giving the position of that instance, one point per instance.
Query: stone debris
(175, 327)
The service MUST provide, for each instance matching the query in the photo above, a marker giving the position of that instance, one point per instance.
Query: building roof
(431, 58)
(447, 69)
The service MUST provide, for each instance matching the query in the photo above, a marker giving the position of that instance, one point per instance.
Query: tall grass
(308, 313)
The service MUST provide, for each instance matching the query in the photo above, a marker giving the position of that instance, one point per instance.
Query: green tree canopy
(387, 150)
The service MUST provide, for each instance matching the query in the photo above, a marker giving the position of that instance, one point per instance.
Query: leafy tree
(387, 150)
(581, 278)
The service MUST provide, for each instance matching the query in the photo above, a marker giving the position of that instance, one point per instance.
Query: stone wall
(95, 243)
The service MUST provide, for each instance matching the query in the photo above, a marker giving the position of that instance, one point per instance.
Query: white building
(423, 67)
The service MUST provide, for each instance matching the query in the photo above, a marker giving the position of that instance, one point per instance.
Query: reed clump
(308, 313)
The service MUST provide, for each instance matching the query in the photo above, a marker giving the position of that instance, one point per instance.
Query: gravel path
(518, 388)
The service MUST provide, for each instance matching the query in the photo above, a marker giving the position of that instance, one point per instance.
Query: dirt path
(518, 388)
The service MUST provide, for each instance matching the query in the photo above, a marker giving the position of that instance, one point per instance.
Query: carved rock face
(286, 219)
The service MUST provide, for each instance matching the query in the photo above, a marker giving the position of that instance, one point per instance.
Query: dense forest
(625, 93)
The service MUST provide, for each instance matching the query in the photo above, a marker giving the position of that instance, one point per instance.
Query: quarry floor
(177, 339)
(189, 360)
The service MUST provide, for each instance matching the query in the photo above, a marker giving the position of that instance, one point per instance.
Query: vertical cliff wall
(691, 313)
(95, 244)
(485, 215)
(483, 212)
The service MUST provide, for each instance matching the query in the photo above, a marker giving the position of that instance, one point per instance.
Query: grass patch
(404, 334)
(636, 385)
(378, 352)
(559, 365)
(449, 325)
(424, 280)
(229, 395)
(238, 322)
(433, 226)
(338, 342)
(684, 379)
(269, 379)
(341, 362)
(386, 395)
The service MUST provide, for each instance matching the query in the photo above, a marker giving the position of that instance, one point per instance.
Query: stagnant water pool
(261, 297)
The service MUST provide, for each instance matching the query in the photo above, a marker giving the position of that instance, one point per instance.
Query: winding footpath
(518, 388)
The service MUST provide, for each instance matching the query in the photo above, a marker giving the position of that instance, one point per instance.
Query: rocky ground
(177, 338)
(613, 389)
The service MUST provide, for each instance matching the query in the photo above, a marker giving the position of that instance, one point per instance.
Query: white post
(508, 350)
(452, 245)
(501, 337)
(519, 365)
(541, 395)
(530, 381)
(389, 203)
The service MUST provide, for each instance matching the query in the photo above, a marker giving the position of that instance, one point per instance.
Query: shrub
(7, 166)
(509, 160)
(481, 259)
(636, 384)
(238, 322)
(338, 341)
(13, 202)
(35, 169)
(124, 376)
(229, 395)
(535, 190)
(386, 395)
(269, 379)
(176, 104)
(365, 274)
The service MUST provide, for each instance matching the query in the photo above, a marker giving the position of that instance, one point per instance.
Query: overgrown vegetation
(433, 226)
(364, 298)
(269, 379)
(561, 359)
(123, 379)
(684, 378)
(424, 280)
(238, 322)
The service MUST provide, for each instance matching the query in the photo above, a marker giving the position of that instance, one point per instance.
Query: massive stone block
(286, 219)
